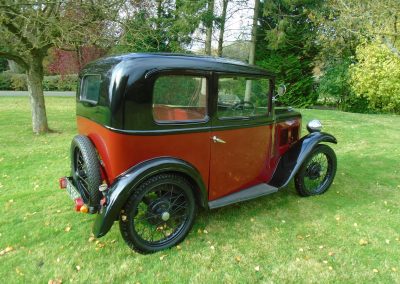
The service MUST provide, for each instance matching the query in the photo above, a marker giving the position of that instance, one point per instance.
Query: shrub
(376, 76)
(19, 82)
(5, 81)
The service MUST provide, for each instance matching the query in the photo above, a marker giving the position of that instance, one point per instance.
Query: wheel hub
(314, 171)
(158, 211)
(165, 216)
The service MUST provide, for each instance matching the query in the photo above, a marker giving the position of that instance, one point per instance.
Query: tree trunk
(209, 26)
(222, 29)
(35, 84)
(252, 46)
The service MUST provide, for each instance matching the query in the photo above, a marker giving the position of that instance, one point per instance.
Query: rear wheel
(316, 174)
(85, 168)
(159, 214)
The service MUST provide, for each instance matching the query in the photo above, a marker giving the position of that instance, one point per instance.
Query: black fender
(125, 184)
(290, 162)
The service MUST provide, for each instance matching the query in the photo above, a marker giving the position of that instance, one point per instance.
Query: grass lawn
(350, 234)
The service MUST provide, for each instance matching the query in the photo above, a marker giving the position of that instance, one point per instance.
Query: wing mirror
(280, 92)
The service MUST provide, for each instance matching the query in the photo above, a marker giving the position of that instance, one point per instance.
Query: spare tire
(85, 168)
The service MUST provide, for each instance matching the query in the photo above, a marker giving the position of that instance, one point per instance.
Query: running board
(243, 195)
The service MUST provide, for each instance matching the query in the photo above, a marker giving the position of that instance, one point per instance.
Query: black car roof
(159, 61)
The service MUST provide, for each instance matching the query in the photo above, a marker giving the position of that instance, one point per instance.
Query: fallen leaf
(337, 218)
(363, 242)
(301, 249)
(55, 281)
(178, 247)
(11, 201)
(199, 231)
(58, 211)
(387, 241)
(19, 272)
(78, 268)
(212, 247)
(92, 239)
(355, 224)
(283, 221)
(67, 229)
(321, 247)
(238, 258)
(299, 237)
(375, 270)
(205, 232)
(124, 218)
(163, 256)
(251, 219)
(331, 253)
(58, 259)
(6, 250)
(257, 268)
(297, 259)
(325, 261)
(330, 268)
(394, 269)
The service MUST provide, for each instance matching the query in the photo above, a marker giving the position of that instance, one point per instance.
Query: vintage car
(161, 135)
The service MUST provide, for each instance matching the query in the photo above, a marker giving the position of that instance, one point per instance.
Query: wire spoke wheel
(159, 214)
(317, 172)
(85, 168)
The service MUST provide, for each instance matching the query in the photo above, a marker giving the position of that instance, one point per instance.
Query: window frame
(82, 84)
(186, 73)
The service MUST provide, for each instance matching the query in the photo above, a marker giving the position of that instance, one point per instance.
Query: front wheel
(159, 213)
(316, 174)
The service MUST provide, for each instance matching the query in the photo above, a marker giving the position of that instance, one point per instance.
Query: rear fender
(125, 184)
(291, 161)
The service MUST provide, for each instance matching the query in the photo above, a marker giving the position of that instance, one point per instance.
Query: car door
(241, 134)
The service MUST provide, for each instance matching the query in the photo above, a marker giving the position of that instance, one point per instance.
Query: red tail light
(78, 204)
(63, 182)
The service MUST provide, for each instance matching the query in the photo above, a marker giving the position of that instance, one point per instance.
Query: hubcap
(165, 216)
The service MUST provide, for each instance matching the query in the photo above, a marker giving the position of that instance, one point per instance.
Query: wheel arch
(126, 183)
(290, 163)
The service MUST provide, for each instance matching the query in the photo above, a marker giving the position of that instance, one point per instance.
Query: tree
(343, 24)
(29, 30)
(160, 25)
(286, 45)
(209, 22)
(252, 45)
(222, 23)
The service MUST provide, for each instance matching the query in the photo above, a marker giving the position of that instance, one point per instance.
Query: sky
(237, 27)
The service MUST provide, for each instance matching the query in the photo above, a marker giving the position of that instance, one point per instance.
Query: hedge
(18, 82)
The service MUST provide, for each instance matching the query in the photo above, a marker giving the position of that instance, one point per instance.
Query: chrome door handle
(218, 140)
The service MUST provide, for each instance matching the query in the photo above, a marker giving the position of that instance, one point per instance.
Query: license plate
(71, 190)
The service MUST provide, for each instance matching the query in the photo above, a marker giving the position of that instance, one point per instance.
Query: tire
(317, 172)
(85, 167)
(159, 214)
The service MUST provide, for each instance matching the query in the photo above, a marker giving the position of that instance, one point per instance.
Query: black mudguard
(126, 183)
(290, 162)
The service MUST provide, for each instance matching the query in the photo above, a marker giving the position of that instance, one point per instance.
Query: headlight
(314, 126)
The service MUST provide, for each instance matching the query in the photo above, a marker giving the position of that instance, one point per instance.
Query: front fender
(290, 162)
(124, 185)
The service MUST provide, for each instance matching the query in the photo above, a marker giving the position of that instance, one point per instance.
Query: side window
(239, 96)
(90, 90)
(180, 98)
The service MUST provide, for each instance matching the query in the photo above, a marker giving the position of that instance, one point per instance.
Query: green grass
(290, 239)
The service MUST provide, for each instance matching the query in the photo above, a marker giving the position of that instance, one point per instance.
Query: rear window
(90, 89)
